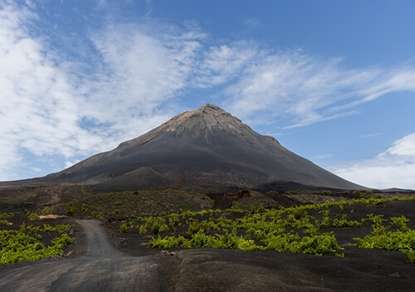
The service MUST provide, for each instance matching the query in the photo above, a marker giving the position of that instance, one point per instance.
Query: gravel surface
(103, 268)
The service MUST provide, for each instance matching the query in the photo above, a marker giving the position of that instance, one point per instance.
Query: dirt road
(102, 268)
(98, 244)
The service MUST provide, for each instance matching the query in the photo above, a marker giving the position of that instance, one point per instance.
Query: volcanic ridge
(203, 147)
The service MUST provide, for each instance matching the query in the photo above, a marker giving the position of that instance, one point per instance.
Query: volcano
(203, 147)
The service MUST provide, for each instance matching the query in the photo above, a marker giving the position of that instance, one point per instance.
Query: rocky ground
(99, 266)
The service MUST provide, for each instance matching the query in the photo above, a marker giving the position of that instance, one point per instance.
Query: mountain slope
(203, 147)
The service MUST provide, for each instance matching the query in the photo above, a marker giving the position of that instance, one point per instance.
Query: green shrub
(294, 229)
(246, 244)
(153, 225)
(47, 210)
(6, 215)
(32, 216)
(396, 236)
(70, 210)
(5, 222)
(400, 222)
(343, 221)
(25, 244)
(323, 244)
(168, 242)
(124, 227)
(410, 254)
(378, 223)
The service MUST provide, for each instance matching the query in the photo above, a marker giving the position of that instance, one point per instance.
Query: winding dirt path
(98, 244)
(102, 268)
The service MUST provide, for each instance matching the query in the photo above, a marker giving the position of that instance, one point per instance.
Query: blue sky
(333, 81)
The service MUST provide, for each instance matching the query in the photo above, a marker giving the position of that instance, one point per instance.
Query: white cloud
(141, 70)
(38, 106)
(394, 167)
(51, 106)
(302, 90)
(48, 108)
(404, 147)
(221, 64)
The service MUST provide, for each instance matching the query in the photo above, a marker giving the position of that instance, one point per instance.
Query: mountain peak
(203, 147)
(205, 119)
(200, 122)
(210, 107)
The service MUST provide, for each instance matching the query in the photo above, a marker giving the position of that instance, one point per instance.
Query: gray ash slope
(203, 147)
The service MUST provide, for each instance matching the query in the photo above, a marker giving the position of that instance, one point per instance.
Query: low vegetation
(20, 241)
(309, 229)
(119, 205)
(393, 234)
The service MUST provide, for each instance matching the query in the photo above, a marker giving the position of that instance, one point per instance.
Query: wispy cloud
(47, 107)
(51, 106)
(39, 107)
(300, 90)
(222, 64)
(141, 69)
(395, 167)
